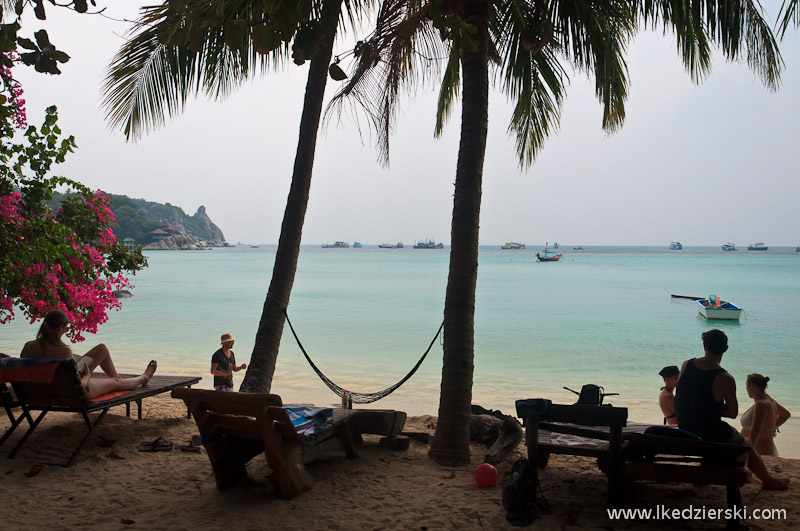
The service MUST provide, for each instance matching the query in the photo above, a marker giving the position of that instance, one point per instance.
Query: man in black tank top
(705, 393)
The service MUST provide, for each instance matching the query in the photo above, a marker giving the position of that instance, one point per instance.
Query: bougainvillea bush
(68, 258)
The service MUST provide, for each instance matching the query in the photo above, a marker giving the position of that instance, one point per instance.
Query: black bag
(591, 395)
(519, 494)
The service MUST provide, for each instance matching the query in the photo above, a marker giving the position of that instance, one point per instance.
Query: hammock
(361, 398)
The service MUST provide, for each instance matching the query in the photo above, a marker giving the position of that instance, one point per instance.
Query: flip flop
(158, 445)
(156, 442)
(189, 448)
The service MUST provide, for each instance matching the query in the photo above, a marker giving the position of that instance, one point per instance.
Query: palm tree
(173, 54)
(532, 42)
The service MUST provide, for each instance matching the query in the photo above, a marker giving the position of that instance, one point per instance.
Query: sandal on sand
(189, 448)
(193, 445)
(158, 445)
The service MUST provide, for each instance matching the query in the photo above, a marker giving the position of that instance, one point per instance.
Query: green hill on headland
(160, 226)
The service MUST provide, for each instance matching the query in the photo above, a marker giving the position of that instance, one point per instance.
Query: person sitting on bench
(705, 393)
(48, 344)
(666, 399)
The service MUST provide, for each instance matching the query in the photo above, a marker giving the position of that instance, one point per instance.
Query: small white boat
(514, 245)
(730, 246)
(719, 309)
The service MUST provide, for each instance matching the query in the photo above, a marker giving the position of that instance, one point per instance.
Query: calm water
(602, 315)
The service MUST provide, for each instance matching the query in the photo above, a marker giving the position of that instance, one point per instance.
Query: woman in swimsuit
(760, 422)
(48, 344)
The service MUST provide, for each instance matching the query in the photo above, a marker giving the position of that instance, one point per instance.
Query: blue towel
(309, 422)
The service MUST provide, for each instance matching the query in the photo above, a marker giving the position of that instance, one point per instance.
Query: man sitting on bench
(48, 344)
(705, 393)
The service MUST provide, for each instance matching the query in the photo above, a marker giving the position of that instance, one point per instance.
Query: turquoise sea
(602, 315)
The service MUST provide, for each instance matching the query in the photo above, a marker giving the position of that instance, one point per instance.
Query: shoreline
(381, 489)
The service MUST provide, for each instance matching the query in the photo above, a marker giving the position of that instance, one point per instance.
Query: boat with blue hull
(546, 255)
(758, 246)
(675, 246)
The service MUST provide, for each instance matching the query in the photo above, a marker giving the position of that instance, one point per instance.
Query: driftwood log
(500, 433)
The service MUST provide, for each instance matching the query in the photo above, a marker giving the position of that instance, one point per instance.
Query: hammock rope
(361, 398)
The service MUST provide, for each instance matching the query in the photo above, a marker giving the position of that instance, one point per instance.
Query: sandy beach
(113, 482)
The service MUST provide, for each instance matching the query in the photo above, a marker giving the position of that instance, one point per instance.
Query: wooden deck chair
(235, 427)
(10, 404)
(54, 385)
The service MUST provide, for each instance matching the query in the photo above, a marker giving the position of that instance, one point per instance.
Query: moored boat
(357, 245)
(719, 309)
(514, 245)
(758, 246)
(675, 246)
(336, 245)
(548, 256)
(428, 244)
(730, 246)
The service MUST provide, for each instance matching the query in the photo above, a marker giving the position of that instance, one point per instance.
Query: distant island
(154, 226)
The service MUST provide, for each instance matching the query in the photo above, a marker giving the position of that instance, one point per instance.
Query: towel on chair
(28, 369)
(309, 422)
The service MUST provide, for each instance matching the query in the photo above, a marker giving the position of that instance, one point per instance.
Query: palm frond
(210, 47)
(532, 74)
(405, 51)
(738, 27)
(448, 92)
(789, 13)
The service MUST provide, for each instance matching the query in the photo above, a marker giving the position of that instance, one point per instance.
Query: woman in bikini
(760, 422)
(48, 344)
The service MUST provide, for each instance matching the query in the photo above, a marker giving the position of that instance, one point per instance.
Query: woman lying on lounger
(48, 344)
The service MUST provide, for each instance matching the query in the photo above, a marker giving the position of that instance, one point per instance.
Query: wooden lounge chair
(54, 385)
(235, 427)
(10, 404)
(675, 460)
(600, 426)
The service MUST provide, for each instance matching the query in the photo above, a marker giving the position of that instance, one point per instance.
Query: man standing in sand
(666, 400)
(705, 393)
(223, 363)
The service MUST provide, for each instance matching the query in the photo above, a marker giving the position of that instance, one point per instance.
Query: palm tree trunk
(450, 444)
(258, 378)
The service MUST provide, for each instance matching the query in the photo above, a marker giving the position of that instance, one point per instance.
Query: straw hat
(227, 336)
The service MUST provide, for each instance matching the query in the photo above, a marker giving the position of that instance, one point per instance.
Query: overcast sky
(702, 164)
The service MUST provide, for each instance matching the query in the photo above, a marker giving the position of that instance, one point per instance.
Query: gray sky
(702, 164)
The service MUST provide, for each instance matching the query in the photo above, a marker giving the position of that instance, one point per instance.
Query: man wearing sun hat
(223, 364)
(667, 397)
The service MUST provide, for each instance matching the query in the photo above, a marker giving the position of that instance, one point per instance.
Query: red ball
(485, 475)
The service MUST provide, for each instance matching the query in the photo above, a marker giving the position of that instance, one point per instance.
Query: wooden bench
(601, 424)
(236, 427)
(675, 460)
(63, 392)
